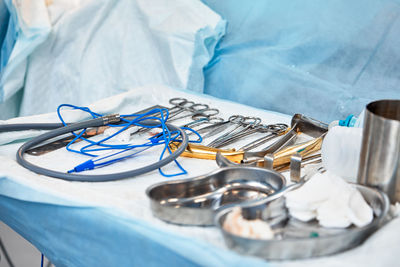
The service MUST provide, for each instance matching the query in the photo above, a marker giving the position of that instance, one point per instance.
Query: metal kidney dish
(194, 201)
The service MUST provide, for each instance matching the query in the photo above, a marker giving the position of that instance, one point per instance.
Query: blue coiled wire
(163, 138)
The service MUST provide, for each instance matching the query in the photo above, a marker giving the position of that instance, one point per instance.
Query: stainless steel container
(194, 201)
(298, 240)
(380, 152)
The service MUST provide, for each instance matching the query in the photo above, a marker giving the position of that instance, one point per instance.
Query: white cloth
(331, 200)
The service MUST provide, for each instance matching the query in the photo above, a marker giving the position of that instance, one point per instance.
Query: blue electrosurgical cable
(115, 119)
(110, 158)
(113, 157)
(128, 123)
(169, 133)
(105, 160)
(128, 150)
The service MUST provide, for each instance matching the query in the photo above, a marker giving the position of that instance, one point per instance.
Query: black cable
(100, 177)
(3, 249)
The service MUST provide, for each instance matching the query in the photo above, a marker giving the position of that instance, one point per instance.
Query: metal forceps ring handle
(180, 105)
(277, 128)
(201, 109)
(250, 126)
(251, 122)
(191, 107)
(240, 121)
(178, 101)
(263, 128)
(198, 108)
(272, 130)
(234, 119)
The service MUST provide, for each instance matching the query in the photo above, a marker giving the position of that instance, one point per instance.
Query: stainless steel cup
(380, 151)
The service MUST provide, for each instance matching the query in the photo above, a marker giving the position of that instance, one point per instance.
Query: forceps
(181, 105)
(220, 127)
(274, 130)
(246, 123)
